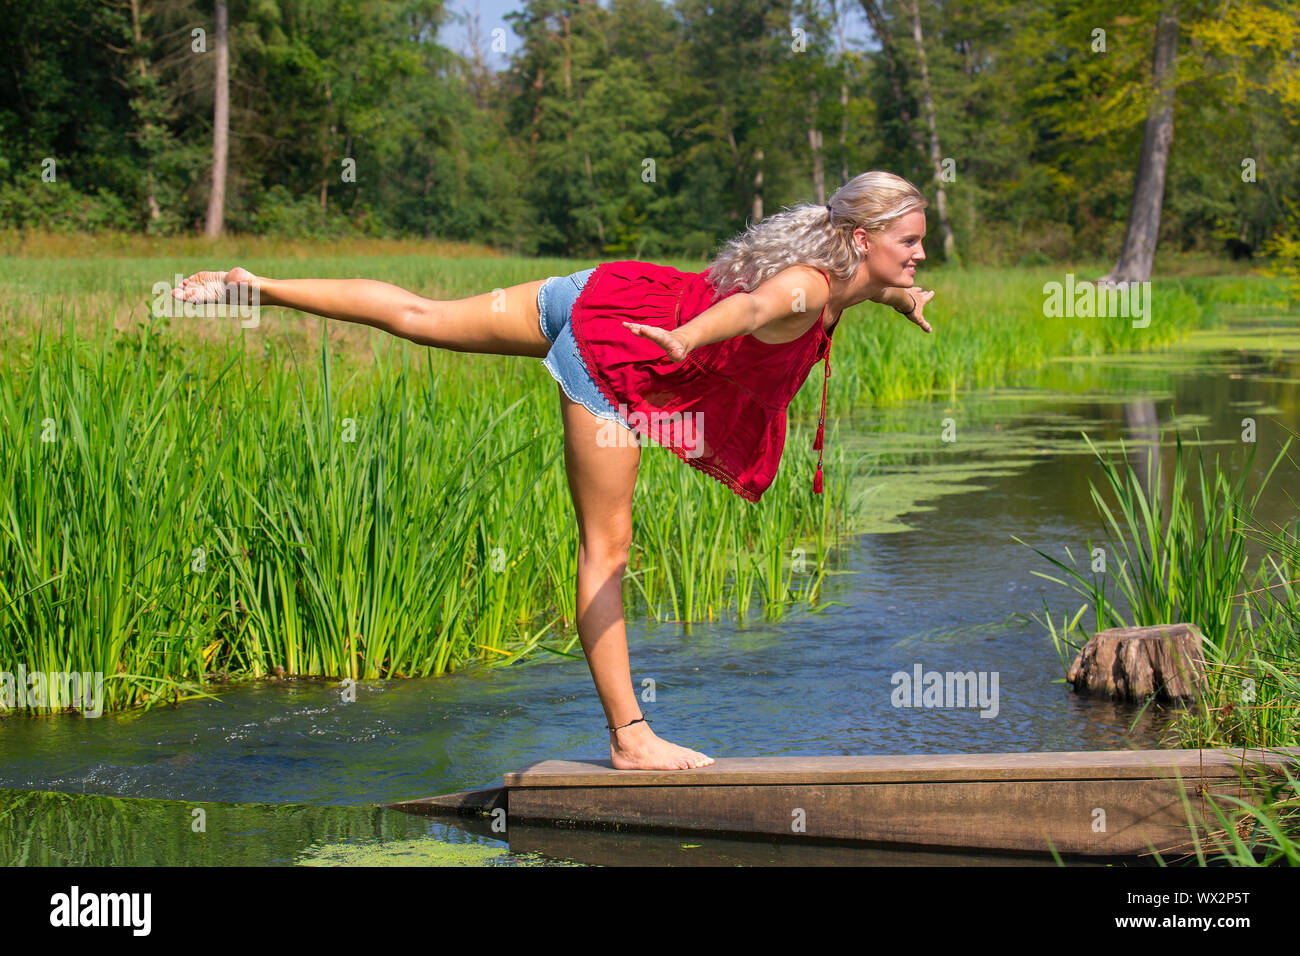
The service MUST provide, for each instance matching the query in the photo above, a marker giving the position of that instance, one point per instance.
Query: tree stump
(1134, 663)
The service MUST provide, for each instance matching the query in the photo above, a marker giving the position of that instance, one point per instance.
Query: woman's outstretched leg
(501, 322)
(601, 481)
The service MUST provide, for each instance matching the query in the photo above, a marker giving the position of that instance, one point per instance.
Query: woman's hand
(921, 297)
(673, 344)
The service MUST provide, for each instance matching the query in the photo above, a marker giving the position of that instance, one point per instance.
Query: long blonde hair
(808, 234)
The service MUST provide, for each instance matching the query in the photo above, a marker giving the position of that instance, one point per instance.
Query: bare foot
(213, 287)
(638, 748)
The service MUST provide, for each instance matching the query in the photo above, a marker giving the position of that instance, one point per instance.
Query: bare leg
(601, 481)
(501, 322)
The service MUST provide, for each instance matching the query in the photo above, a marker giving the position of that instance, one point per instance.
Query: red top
(723, 409)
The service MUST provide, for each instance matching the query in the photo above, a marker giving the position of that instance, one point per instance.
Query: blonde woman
(704, 364)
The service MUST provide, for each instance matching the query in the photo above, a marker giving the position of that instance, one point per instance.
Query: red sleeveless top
(721, 410)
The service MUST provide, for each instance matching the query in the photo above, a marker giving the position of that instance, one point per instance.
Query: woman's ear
(860, 241)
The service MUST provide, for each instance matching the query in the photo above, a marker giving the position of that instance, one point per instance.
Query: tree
(1139, 250)
(936, 154)
(220, 125)
(925, 147)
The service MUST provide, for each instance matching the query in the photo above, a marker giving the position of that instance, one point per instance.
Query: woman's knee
(607, 551)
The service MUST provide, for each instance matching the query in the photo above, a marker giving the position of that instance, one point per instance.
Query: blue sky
(491, 13)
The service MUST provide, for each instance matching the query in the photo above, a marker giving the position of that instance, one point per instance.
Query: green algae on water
(422, 851)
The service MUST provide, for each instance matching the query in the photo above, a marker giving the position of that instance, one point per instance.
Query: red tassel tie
(821, 426)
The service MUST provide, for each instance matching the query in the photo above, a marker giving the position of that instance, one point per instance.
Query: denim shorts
(555, 301)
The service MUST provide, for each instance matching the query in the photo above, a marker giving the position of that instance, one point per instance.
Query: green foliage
(1285, 250)
(280, 214)
(646, 129)
(58, 207)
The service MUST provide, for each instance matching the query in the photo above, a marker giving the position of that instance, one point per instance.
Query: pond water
(289, 773)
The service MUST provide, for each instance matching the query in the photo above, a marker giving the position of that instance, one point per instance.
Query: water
(288, 772)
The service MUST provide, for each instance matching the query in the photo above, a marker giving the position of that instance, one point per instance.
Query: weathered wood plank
(483, 800)
(1080, 803)
(1087, 818)
(913, 768)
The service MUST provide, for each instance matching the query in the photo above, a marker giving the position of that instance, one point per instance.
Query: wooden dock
(1081, 803)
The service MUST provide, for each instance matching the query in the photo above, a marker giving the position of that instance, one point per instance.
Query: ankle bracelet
(628, 724)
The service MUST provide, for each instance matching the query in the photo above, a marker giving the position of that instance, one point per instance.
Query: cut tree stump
(1134, 663)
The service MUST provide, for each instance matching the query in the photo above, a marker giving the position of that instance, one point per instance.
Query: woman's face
(890, 258)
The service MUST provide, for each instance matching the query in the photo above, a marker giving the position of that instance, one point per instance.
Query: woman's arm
(735, 315)
(790, 292)
(895, 298)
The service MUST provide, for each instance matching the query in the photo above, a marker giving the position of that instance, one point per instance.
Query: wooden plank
(483, 800)
(1085, 818)
(1080, 803)
(758, 771)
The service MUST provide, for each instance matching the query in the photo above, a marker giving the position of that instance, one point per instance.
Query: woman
(703, 363)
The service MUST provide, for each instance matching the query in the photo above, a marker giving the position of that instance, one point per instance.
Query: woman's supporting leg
(501, 322)
(601, 482)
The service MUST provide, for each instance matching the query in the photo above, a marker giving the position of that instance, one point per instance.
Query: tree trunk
(936, 155)
(537, 105)
(591, 184)
(844, 97)
(479, 72)
(220, 126)
(568, 85)
(142, 70)
(893, 70)
(735, 150)
(756, 210)
(1134, 663)
(327, 138)
(818, 158)
(844, 132)
(1139, 249)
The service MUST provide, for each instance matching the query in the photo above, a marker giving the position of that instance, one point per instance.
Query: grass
(184, 500)
(168, 518)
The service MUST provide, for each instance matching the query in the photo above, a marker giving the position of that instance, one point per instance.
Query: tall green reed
(106, 467)
(1168, 560)
(244, 517)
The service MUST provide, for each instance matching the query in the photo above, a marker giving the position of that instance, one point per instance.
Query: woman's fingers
(920, 297)
(660, 337)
